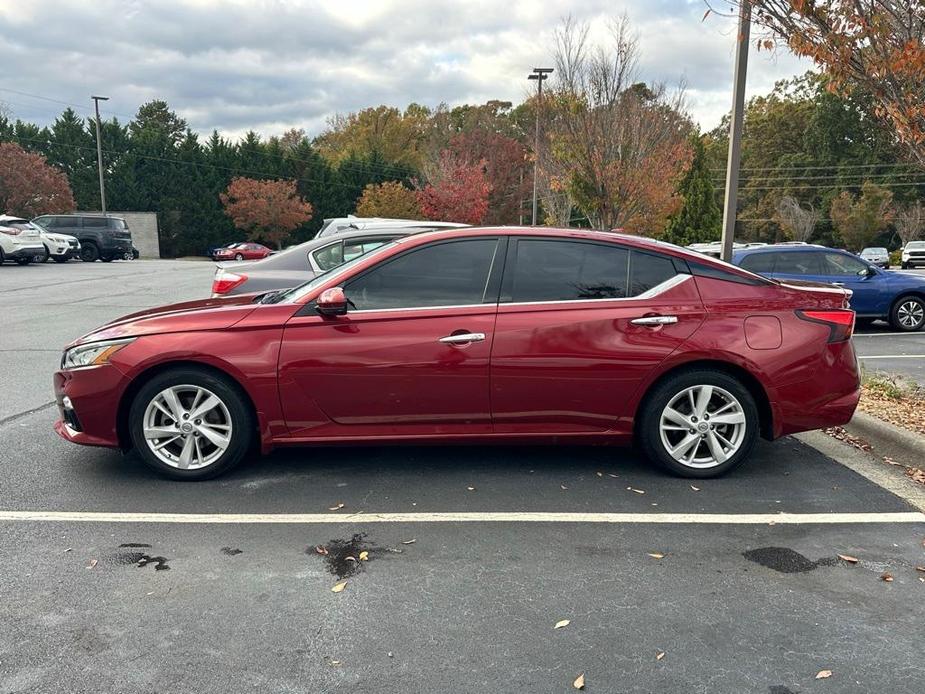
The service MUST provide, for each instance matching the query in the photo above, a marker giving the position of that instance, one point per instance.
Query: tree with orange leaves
(876, 45)
(266, 210)
(29, 185)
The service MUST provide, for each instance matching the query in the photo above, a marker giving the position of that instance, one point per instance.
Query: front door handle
(655, 320)
(462, 338)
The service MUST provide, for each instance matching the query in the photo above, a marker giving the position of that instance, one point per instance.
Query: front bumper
(88, 405)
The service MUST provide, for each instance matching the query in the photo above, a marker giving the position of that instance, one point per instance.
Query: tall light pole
(539, 74)
(735, 130)
(99, 149)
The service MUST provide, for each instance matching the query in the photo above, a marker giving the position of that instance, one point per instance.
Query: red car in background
(242, 251)
(486, 335)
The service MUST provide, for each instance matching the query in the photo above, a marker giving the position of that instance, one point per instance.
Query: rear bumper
(25, 252)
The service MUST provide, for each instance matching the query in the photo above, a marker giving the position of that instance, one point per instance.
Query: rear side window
(799, 263)
(445, 274)
(117, 224)
(549, 270)
(648, 271)
(762, 263)
(95, 222)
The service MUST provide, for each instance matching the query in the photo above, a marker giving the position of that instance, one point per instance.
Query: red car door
(580, 325)
(411, 355)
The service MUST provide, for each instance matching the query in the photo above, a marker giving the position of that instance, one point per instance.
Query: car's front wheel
(698, 423)
(89, 253)
(191, 424)
(238, 256)
(908, 314)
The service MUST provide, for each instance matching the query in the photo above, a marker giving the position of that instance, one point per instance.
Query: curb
(899, 444)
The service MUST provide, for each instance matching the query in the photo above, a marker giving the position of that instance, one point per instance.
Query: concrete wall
(143, 226)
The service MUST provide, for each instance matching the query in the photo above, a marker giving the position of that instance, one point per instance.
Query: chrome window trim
(655, 291)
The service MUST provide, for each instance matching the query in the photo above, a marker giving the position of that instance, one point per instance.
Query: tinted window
(117, 224)
(568, 270)
(762, 263)
(842, 265)
(647, 271)
(445, 274)
(329, 256)
(95, 222)
(799, 263)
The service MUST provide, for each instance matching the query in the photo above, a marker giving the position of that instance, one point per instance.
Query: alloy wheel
(910, 314)
(188, 427)
(702, 426)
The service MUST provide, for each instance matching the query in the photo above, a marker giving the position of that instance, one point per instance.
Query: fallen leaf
(91, 563)
(610, 474)
(364, 555)
(848, 558)
(656, 555)
(338, 587)
(321, 550)
(886, 576)
(696, 489)
(920, 568)
(660, 655)
(408, 542)
(823, 674)
(471, 489)
(563, 486)
(68, 550)
(579, 682)
(336, 508)
(599, 474)
(638, 491)
(335, 663)
(349, 558)
(562, 623)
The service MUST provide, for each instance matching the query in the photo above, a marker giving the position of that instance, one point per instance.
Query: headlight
(92, 353)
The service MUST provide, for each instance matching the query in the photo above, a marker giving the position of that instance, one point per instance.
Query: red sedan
(242, 251)
(487, 335)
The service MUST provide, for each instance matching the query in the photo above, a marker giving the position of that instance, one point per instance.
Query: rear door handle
(462, 338)
(655, 320)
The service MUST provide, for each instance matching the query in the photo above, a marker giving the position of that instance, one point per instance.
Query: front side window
(444, 274)
(842, 265)
(550, 270)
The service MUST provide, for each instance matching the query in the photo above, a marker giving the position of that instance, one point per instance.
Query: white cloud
(272, 64)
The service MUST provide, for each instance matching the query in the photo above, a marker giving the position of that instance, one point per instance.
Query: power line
(820, 166)
(841, 177)
(890, 185)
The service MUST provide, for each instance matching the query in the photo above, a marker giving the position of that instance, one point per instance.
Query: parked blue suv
(894, 296)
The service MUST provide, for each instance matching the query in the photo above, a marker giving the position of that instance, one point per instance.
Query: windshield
(879, 251)
(916, 244)
(295, 294)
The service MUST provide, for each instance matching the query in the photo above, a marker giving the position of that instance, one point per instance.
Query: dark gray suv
(101, 238)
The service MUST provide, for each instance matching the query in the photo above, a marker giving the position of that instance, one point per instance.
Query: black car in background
(101, 238)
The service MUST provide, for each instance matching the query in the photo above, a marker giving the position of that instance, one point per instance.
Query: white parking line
(464, 517)
(893, 356)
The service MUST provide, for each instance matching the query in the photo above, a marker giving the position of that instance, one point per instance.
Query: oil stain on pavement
(346, 558)
(785, 560)
(137, 559)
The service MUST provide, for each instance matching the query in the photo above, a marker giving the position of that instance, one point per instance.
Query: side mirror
(332, 302)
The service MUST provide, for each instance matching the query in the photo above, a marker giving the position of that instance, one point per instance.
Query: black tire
(661, 395)
(89, 253)
(238, 256)
(903, 308)
(905, 266)
(44, 257)
(24, 261)
(242, 421)
(107, 258)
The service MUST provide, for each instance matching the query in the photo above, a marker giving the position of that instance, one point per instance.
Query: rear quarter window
(762, 263)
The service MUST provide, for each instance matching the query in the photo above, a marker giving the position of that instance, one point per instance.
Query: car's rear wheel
(908, 314)
(24, 260)
(191, 424)
(89, 253)
(699, 423)
(43, 257)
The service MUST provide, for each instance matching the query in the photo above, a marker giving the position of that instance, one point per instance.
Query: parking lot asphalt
(737, 597)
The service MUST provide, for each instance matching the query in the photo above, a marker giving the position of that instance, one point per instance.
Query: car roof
(785, 248)
(79, 215)
(11, 218)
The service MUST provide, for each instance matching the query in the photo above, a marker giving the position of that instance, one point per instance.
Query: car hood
(202, 314)
(63, 238)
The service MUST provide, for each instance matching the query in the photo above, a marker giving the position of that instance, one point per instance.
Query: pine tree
(699, 218)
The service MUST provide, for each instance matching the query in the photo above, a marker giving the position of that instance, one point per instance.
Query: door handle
(462, 338)
(654, 320)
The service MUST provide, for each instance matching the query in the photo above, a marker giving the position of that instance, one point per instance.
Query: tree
(877, 45)
(910, 222)
(699, 218)
(29, 186)
(457, 192)
(799, 221)
(858, 219)
(390, 199)
(504, 160)
(267, 210)
(384, 131)
(623, 146)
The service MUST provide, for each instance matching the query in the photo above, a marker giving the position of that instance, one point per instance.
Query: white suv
(20, 240)
(913, 254)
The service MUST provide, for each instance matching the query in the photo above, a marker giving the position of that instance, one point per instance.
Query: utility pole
(99, 150)
(735, 130)
(539, 74)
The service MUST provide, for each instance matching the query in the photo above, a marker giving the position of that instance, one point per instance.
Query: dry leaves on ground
(848, 558)
(339, 587)
(887, 577)
(409, 542)
(336, 508)
(660, 655)
(91, 563)
(656, 555)
(562, 623)
(321, 550)
(823, 674)
(894, 401)
(579, 682)
(638, 491)
(364, 555)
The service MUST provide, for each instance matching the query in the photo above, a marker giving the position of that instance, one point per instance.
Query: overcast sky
(269, 65)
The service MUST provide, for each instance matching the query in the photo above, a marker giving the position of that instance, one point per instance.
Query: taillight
(839, 320)
(224, 282)
(10, 231)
